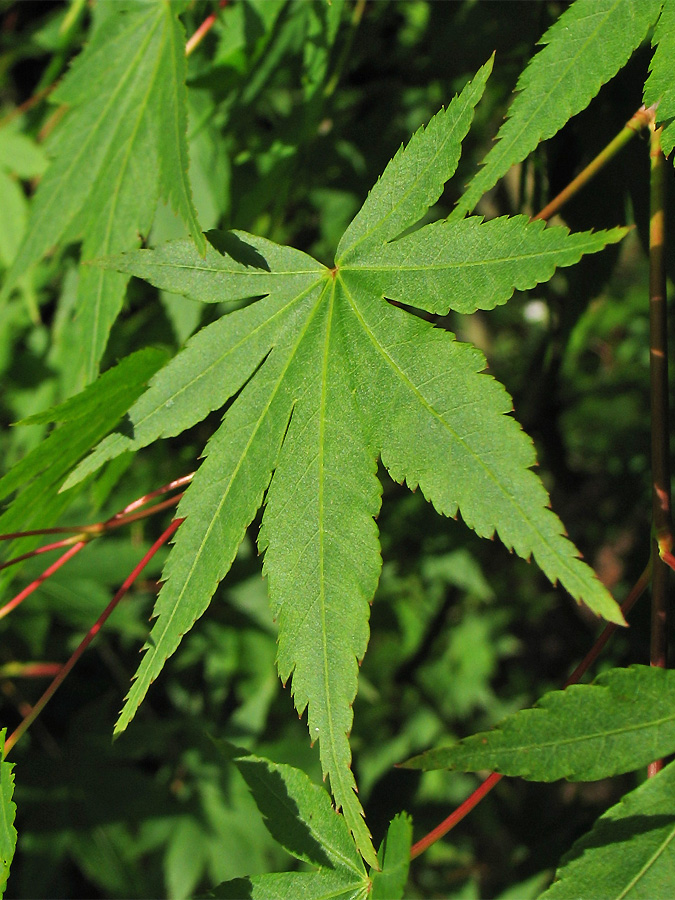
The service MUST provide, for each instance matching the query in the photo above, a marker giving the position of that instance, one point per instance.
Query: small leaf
(659, 87)
(389, 884)
(621, 722)
(299, 815)
(7, 814)
(629, 852)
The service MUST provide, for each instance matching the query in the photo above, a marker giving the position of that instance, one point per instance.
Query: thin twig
(636, 123)
(34, 585)
(203, 30)
(89, 637)
(662, 541)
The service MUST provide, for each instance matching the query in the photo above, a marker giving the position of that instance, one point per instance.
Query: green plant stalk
(636, 123)
(660, 430)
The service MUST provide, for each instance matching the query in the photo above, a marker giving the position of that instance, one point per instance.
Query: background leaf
(621, 722)
(121, 145)
(389, 884)
(659, 86)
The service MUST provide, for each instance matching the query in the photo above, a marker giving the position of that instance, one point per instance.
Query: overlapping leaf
(659, 87)
(585, 47)
(7, 814)
(121, 145)
(82, 421)
(325, 376)
(299, 815)
(622, 721)
(629, 854)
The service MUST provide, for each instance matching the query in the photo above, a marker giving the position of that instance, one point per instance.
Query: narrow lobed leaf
(659, 87)
(472, 264)
(414, 179)
(8, 834)
(389, 884)
(621, 722)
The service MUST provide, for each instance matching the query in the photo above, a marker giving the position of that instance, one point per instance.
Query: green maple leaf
(621, 722)
(659, 87)
(326, 377)
(121, 145)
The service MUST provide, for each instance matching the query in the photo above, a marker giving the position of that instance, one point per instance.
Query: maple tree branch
(34, 585)
(89, 637)
(85, 533)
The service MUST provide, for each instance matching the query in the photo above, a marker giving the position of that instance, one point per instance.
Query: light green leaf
(586, 47)
(7, 814)
(659, 87)
(322, 377)
(471, 264)
(414, 179)
(217, 361)
(86, 417)
(389, 884)
(121, 144)
(299, 815)
(621, 722)
(630, 851)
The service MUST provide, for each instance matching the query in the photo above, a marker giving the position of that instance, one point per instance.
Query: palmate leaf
(622, 721)
(325, 376)
(659, 87)
(583, 50)
(120, 146)
(629, 854)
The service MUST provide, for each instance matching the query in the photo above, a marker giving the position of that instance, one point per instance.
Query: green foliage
(300, 817)
(586, 47)
(322, 386)
(629, 850)
(7, 830)
(584, 733)
(122, 143)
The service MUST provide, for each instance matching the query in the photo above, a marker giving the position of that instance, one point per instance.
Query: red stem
(484, 789)
(21, 596)
(89, 637)
(203, 30)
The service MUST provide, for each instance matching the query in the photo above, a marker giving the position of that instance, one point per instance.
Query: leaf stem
(636, 123)
(89, 637)
(34, 585)
(203, 30)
